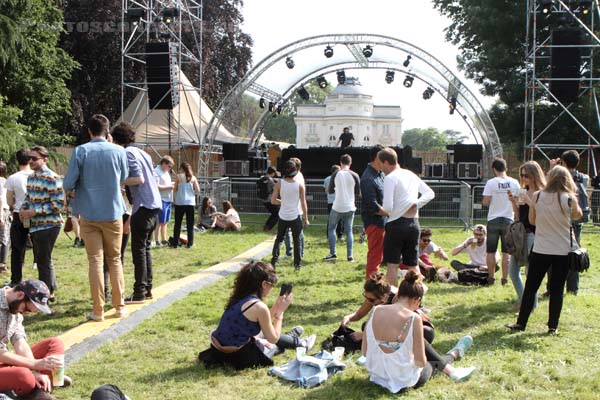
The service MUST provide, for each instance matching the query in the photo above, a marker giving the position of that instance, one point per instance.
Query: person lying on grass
(397, 355)
(234, 341)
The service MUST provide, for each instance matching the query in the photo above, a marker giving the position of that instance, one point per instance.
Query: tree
(10, 36)
(425, 139)
(13, 135)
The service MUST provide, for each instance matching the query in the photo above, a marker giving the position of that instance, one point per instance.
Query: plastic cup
(300, 352)
(338, 353)
(521, 198)
(58, 375)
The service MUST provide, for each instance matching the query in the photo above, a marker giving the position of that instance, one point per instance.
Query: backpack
(515, 238)
(473, 276)
(262, 188)
(342, 337)
(582, 196)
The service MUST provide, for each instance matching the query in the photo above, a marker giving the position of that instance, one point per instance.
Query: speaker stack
(162, 75)
(565, 64)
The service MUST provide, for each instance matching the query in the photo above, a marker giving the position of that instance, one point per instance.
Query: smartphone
(285, 289)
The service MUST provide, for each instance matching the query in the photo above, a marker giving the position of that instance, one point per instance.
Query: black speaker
(235, 151)
(415, 164)
(468, 153)
(161, 75)
(565, 63)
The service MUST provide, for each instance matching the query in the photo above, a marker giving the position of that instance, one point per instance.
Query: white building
(348, 105)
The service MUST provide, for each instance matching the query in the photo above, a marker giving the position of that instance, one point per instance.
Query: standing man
(339, 229)
(500, 215)
(165, 188)
(401, 204)
(44, 202)
(343, 183)
(264, 190)
(146, 204)
(346, 139)
(28, 369)
(100, 205)
(16, 189)
(372, 214)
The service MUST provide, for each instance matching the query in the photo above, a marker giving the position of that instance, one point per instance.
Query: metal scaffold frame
(147, 21)
(538, 49)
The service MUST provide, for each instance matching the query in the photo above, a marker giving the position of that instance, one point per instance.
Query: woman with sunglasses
(234, 341)
(397, 354)
(532, 180)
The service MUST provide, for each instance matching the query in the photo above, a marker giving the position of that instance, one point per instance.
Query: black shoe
(553, 331)
(350, 259)
(515, 327)
(149, 294)
(135, 299)
(546, 294)
(330, 257)
(297, 267)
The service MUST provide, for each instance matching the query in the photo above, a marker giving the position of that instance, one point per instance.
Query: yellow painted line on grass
(89, 329)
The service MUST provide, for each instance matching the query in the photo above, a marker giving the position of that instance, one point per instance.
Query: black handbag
(578, 259)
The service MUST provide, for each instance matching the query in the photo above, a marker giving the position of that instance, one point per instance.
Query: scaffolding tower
(542, 18)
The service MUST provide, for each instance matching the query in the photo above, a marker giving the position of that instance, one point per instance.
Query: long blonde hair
(535, 174)
(559, 180)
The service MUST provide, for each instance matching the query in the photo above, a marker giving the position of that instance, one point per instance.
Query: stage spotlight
(134, 15)
(328, 52)
(368, 51)
(279, 109)
(452, 104)
(271, 106)
(428, 93)
(408, 81)
(585, 6)
(407, 61)
(341, 77)
(290, 63)
(303, 93)
(261, 103)
(322, 82)
(389, 76)
(546, 6)
(168, 14)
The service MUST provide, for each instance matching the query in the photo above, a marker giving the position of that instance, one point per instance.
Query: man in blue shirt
(146, 203)
(95, 173)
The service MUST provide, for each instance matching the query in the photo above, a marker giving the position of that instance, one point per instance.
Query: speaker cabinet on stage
(468, 153)
(235, 151)
(162, 75)
(435, 170)
(415, 164)
(468, 170)
(237, 168)
(565, 64)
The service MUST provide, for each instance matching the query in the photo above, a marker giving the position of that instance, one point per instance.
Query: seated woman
(395, 348)
(229, 219)
(233, 342)
(207, 216)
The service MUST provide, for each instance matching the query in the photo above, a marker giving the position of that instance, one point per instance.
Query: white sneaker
(309, 342)
(462, 374)
(93, 317)
(122, 312)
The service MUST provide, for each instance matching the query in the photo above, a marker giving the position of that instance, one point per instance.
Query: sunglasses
(426, 240)
(524, 176)
(34, 158)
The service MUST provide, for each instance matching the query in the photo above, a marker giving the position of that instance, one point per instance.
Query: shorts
(495, 232)
(164, 215)
(401, 241)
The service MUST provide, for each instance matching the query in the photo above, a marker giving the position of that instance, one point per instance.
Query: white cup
(300, 352)
(58, 375)
(338, 353)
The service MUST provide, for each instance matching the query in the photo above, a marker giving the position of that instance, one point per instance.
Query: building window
(386, 129)
(367, 139)
(312, 128)
(332, 140)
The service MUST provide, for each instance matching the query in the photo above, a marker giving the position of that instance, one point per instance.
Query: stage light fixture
(322, 82)
(452, 104)
(408, 81)
(271, 106)
(303, 93)
(290, 63)
(341, 77)
(389, 76)
(407, 61)
(328, 52)
(428, 93)
(585, 6)
(168, 14)
(134, 15)
(261, 102)
(368, 51)
(546, 6)
(279, 109)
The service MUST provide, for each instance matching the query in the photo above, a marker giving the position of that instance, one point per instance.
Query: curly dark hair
(249, 280)
(123, 134)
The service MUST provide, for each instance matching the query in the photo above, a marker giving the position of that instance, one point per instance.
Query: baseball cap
(37, 292)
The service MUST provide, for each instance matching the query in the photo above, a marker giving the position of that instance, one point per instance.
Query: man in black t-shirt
(346, 138)
(265, 186)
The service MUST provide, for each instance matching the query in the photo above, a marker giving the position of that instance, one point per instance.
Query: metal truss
(148, 21)
(437, 74)
(538, 48)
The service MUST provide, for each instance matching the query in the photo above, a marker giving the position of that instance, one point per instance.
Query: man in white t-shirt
(475, 247)
(16, 189)
(427, 247)
(344, 183)
(162, 173)
(401, 203)
(500, 215)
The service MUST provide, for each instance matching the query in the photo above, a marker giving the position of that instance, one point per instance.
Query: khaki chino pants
(103, 240)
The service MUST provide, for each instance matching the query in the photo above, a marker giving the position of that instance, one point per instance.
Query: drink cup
(338, 353)
(58, 375)
(300, 352)
(521, 196)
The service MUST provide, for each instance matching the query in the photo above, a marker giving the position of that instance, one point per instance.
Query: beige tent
(160, 128)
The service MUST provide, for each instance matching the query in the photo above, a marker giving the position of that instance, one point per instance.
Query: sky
(276, 23)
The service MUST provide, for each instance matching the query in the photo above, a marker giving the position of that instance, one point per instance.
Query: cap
(37, 292)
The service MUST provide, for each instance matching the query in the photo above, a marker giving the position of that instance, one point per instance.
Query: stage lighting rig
(168, 14)
(261, 102)
(303, 93)
(289, 62)
(279, 108)
(367, 51)
(341, 77)
(407, 61)
(322, 82)
(584, 6)
(389, 76)
(452, 104)
(134, 15)
(546, 6)
(428, 93)
(271, 106)
(408, 81)
(328, 52)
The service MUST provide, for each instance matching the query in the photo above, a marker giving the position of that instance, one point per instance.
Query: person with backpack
(532, 180)
(264, 190)
(570, 160)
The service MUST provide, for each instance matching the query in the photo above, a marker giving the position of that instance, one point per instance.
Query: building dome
(352, 86)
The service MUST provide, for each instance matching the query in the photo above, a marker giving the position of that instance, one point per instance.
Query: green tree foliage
(430, 138)
(13, 135)
(10, 36)
(35, 79)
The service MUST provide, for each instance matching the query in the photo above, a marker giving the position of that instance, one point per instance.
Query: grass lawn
(157, 360)
(73, 294)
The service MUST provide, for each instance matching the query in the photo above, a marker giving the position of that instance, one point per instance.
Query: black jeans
(273, 209)
(43, 244)
(189, 223)
(143, 223)
(296, 227)
(288, 341)
(18, 238)
(538, 266)
(572, 276)
(339, 229)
